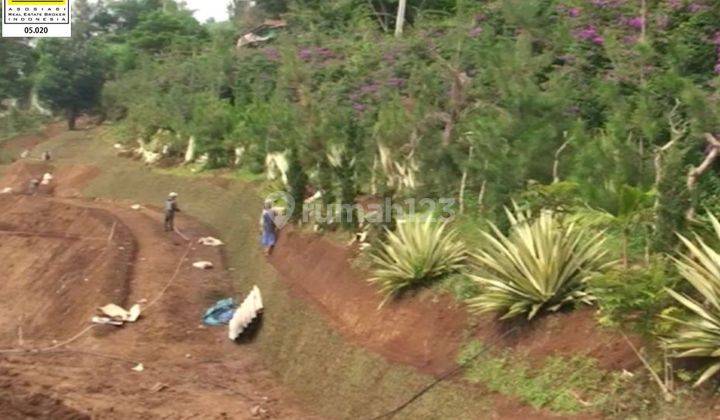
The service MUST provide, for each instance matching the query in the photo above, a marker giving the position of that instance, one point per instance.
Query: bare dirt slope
(63, 258)
(426, 331)
(423, 333)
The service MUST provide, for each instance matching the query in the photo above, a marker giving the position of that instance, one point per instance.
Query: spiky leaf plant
(418, 251)
(699, 334)
(541, 265)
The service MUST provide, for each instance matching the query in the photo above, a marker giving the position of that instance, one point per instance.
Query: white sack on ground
(210, 241)
(203, 265)
(46, 179)
(246, 313)
(116, 313)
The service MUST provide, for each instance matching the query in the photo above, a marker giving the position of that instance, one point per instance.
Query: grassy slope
(336, 379)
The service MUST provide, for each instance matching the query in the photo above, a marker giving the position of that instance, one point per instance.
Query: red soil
(63, 258)
(30, 141)
(575, 333)
(426, 331)
(67, 181)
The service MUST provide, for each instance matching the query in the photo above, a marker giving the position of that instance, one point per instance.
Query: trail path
(60, 271)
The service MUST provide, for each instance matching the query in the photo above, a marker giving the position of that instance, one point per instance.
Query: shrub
(699, 334)
(418, 252)
(542, 264)
(635, 296)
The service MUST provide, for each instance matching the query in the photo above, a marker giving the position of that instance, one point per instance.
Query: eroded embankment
(427, 330)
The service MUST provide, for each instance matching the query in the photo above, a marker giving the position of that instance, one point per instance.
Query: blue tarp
(220, 313)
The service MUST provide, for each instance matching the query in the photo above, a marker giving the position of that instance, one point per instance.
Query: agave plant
(699, 335)
(542, 264)
(419, 251)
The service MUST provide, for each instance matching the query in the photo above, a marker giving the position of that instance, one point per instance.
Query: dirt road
(65, 257)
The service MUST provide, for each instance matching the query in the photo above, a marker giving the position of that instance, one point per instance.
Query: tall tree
(18, 61)
(70, 76)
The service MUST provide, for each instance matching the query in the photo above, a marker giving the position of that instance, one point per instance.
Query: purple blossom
(480, 17)
(325, 53)
(598, 40)
(631, 39)
(271, 54)
(389, 57)
(369, 88)
(589, 33)
(396, 82)
(636, 22)
(717, 68)
(716, 39)
(359, 107)
(675, 4)
(475, 32)
(603, 4)
(305, 54)
(696, 7)
(574, 12)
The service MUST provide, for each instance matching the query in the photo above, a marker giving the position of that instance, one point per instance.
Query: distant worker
(46, 156)
(34, 186)
(171, 208)
(269, 228)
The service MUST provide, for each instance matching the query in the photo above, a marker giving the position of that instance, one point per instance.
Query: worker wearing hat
(171, 208)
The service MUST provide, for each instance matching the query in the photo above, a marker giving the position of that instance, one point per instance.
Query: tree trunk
(696, 173)
(556, 164)
(400, 22)
(463, 181)
(71, 119)
(625, 250)
(643, 14)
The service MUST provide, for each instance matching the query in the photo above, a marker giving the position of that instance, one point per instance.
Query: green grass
(562, 385)
(193, 171)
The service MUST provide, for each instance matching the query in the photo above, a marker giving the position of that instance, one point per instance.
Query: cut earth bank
(65, 257)
(333, 373)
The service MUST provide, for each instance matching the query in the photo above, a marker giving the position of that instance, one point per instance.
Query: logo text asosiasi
(36, 18)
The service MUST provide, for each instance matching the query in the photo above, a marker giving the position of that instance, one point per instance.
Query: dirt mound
(424, 332)
(67, 180)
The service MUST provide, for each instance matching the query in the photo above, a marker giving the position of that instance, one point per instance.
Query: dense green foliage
(18, 62)
(70, 77)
